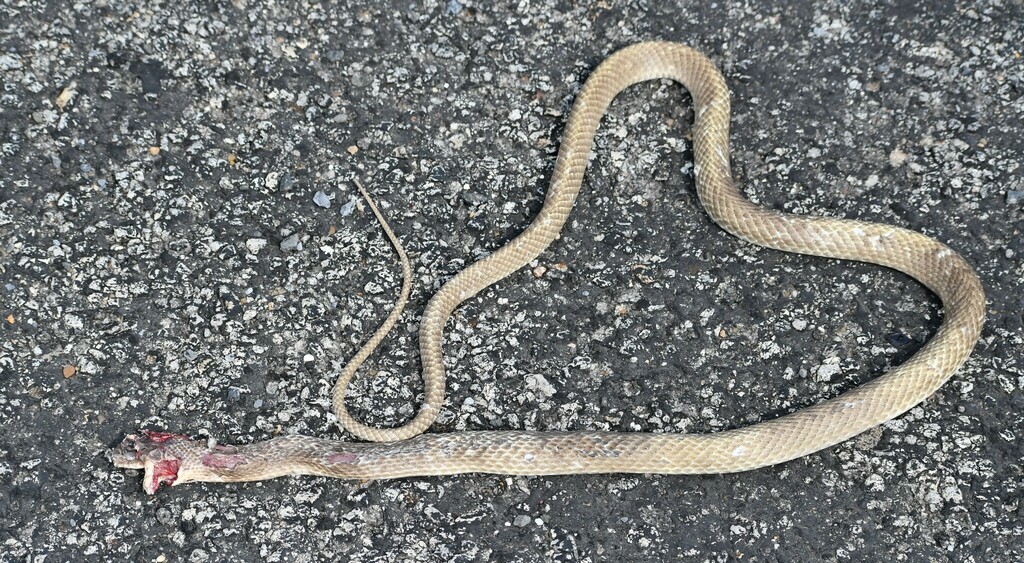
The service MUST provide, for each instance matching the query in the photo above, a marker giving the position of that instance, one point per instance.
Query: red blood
(161, 437)
(165, 471)
(344, 457)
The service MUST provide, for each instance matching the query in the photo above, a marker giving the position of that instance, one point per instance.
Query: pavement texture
(182, 248)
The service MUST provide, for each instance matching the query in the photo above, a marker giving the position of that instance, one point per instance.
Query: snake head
(159, 454)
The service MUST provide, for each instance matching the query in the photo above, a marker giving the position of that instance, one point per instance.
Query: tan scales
(406, 451)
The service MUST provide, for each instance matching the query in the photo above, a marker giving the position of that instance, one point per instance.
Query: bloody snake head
(175, 459)
(160, 454)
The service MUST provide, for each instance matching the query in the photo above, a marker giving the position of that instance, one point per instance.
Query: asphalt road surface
(181, 248)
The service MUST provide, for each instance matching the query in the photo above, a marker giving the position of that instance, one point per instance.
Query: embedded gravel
(182, 248)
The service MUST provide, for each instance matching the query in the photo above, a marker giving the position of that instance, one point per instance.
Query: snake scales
(406, 451)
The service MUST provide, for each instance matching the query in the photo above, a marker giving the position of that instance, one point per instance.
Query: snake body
(407, 451)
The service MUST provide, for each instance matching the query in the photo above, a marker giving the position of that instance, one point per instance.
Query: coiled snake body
(406, 451)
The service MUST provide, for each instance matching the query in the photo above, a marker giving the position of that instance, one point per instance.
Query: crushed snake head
(173, 459)
(176, 458)
(165, 457)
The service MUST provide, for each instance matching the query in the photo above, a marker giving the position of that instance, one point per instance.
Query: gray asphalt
(181, 248)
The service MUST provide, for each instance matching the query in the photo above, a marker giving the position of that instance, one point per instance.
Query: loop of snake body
(407, 451)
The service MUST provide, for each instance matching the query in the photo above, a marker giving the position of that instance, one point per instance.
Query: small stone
(254, 245)
(308, 359)
(66, 95)
(521, 521)
(322, 199)
(286, 182)
(897, 158)
(291, 243)
(10, 62)
(539, 271)
(1014, 196)
(257, 403)
(165, 517)
(353, 149)
(799, 324)
(348, 208)
(827, 371)
(153, 151)
(232, 159)
(454, 7)
(69, 371)
(540, 386)
(271, 180)
(10, 319)
(234, 393)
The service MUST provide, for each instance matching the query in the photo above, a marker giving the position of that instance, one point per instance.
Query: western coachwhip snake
(407, 451)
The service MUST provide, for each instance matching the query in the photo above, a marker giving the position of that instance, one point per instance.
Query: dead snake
(406, 451)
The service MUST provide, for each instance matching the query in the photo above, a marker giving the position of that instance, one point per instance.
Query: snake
(409, 451)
